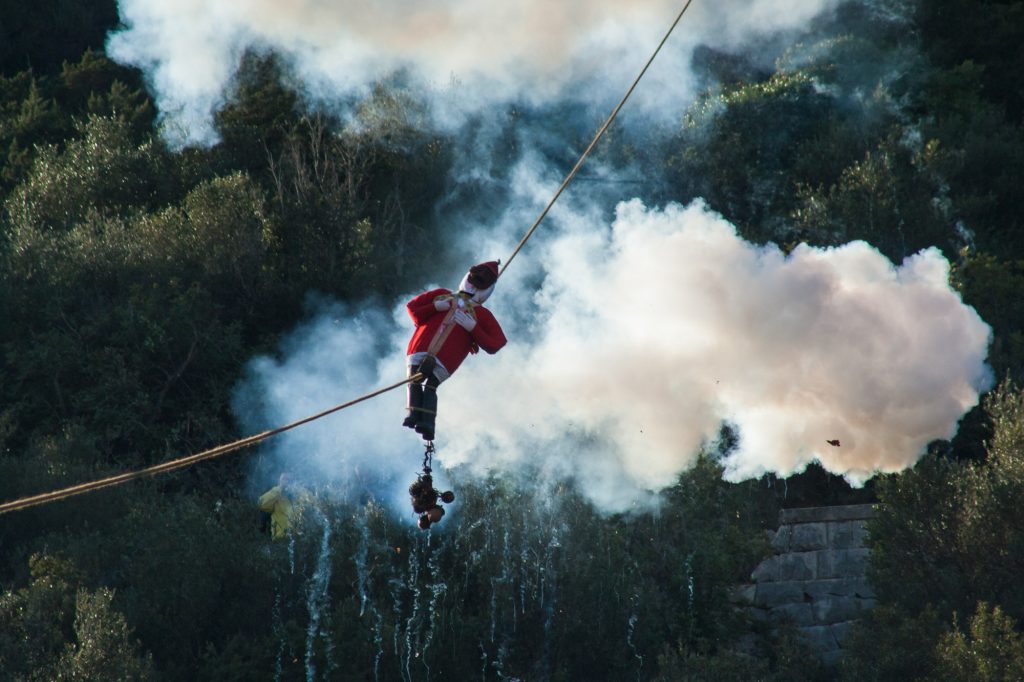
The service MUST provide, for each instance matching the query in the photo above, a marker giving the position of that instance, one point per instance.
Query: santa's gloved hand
(464, 320)
(441, 304)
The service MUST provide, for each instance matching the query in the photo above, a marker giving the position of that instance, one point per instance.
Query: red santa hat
(483, 275)
(480, 280)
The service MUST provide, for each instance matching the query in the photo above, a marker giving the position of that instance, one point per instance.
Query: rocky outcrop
(816, 577)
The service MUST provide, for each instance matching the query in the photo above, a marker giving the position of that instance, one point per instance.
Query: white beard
(477, 295)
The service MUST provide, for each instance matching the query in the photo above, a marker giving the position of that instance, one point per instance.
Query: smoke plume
(531, 50)
(633, 339)
(645, 338)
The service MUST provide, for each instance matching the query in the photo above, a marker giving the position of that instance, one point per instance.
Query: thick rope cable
(188, 461)
(220, 450)
(597, 138)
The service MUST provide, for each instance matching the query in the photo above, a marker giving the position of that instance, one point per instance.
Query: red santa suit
(430, 323)
(449, 326)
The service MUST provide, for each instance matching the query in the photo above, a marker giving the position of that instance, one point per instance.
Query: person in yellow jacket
(279, 502)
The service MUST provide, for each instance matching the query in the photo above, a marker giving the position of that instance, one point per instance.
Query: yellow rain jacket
(279, 507)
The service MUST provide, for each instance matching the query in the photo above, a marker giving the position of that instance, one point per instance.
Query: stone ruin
(816, 576)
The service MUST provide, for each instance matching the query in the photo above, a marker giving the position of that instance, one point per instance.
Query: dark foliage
(42, 35)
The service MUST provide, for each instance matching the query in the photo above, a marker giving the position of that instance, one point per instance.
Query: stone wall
(815, 577)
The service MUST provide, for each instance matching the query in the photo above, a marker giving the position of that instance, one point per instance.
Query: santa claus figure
(449, 326)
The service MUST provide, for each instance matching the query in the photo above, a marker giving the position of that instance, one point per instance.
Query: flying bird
(833, 443)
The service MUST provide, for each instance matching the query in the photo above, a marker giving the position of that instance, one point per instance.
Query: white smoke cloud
(646, 335)
(643, 340)
(531, 49)
(656, 334)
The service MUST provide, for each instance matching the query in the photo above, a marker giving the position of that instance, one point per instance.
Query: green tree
(981, 157)
(995, 288)
(781, 657)
(742, 146)
(35, 619)
(887, 199)
(949, 535)
(27, 118)
(891, 645)
(104, 171)
(55, 629)
(991, 651)
(96, 86)
(988, 34)
(102, 648)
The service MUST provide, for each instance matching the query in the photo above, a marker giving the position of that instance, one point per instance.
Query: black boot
(428, 413)
(414, 405)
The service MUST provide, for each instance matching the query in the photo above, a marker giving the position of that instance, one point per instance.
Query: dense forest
(138, 279)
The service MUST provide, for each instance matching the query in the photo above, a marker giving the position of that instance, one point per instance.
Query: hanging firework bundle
(425, 497)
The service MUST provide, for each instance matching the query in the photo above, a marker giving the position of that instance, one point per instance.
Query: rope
(597, 138)
(183, 462)
(428, 457)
